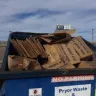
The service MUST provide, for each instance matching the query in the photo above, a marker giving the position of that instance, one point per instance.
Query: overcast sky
(44, 15)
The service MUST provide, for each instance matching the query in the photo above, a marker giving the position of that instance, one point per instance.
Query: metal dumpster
(73, 82)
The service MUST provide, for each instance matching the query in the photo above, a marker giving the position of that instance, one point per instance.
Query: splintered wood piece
(80, 49)
(79, 44)
(77, 49)
(54, 65)
(58, 32)
(33, 46)
(19, 48)
(67, 38)
(84, 45)
(26, 47)
(31, 64)
(65, 51)
(16, 47)
(49, 35)
(29, 51)
(69, 67)
(15, 62)
(87, 64)
(63, 55)
(23, 48)
(38, 46)
(34, 41)
(50, 49)
(41, 49)
(46, 39)
(34, 54)
(59, 52)
(73, 57)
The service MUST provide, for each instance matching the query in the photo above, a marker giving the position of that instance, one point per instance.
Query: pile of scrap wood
(51, 51)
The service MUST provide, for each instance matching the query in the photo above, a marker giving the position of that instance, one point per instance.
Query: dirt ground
(2, 51)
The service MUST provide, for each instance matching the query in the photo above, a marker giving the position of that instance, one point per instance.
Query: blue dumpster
(73, 82)
(81, 85)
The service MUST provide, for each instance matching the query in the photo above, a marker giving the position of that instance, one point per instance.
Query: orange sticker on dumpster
(72, 78)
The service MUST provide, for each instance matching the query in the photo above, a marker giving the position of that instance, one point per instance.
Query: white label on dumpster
(72, 78)
(76, 90)
(35, 92)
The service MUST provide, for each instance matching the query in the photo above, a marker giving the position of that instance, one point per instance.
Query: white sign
(72, 78)
(76, 90)
(35, 92)
(67, 26)
(62, 27)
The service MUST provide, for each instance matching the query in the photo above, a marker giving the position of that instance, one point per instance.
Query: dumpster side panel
(44, 87)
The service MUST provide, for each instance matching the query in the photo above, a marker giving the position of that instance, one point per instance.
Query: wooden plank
(54, 65)
(80, 47)
(16, 46)
(72, 55)
(84, 45)
(19, 42)
(32, 52)
(50, 49)
(64, 31)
